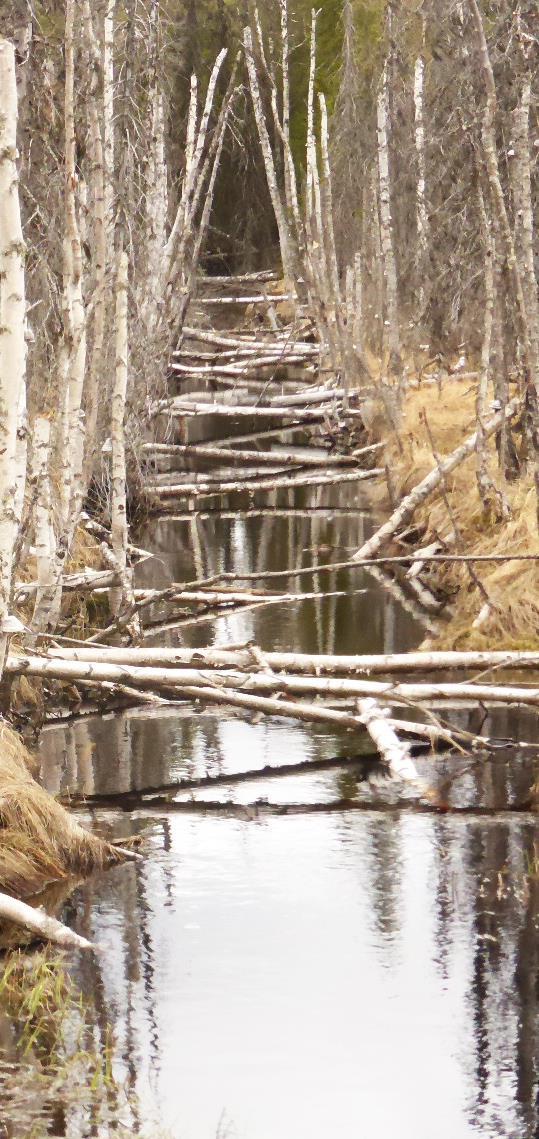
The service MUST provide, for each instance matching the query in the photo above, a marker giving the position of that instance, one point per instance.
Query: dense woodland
(378, 162)
(267, 264)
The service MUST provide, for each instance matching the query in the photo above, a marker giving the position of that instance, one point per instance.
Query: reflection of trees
(526, 982)
(383, 872)
(485, 928)
(485, 902)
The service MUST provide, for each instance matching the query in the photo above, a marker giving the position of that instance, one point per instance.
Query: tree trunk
(12, 333)
(391, 322)
(121, 596)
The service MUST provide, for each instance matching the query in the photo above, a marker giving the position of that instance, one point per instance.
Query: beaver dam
(269, 596)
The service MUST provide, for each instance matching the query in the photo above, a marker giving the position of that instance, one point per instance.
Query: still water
(337, 975)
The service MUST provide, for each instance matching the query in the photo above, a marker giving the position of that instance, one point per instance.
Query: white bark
(285, 242)
(41, 924)
(119, 533)
(391, 323)
(499, 206)
(49, 588)
(206, 490)
(12, 331)
(318, 664)
(255, 682)
(108, 116)
(407, 508)
(157, 191)
(491, 497)
(191, 130)
(99, 245)
(193, 184)
(21, 456)
(74, 311)
(392, 751)
(523, 201)
(422, 224)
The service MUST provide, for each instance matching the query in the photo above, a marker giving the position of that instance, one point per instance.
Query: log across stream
(280, 929)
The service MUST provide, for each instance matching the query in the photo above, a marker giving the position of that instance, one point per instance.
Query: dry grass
(512, 587)
(39, 840)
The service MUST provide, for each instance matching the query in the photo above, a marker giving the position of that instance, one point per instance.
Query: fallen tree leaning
(407, 508)
(37, 922)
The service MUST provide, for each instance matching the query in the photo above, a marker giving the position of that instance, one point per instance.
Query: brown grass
(39, 840)
(512, 587)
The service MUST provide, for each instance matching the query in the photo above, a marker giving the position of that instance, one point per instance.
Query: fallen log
(196, 680)
(206, 490)
(259, 275)
(407, 508)
(243, 658)
(253, 363)
(88, 580)
(257, 299)
(178, 407)
(229, 341)
(282, 458)
(263, 434)
(41, 924)
(392, 751)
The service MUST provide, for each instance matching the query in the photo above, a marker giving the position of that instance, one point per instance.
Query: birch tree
(12, 333)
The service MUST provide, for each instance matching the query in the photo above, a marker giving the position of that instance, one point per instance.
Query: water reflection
(361, 973)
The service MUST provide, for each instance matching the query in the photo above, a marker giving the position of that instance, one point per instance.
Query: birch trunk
(318, 664)
(492, 500)
(108, 117)
(74, 311)
(423, 491)
(285, 240)
(421, 197)
(120, 597)
(500, 212)
(12, 332)
(192, 188)
(394, 753)
(49, 588)
(41, 924)
(191, 680)
(523, 202)
(100, 196)
(391, 322)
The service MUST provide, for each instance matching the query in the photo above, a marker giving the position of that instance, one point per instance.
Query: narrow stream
(342, 974)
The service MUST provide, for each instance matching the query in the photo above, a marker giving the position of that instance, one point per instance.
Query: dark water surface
(340, 975)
